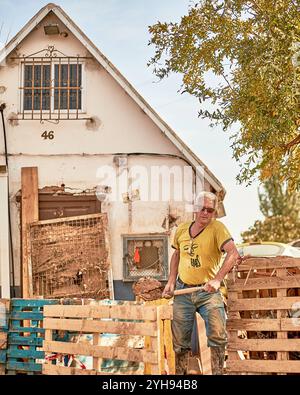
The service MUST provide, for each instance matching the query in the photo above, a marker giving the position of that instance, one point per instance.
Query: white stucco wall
(75, 153)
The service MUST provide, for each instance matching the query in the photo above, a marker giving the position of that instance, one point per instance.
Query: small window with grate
(54, 88)
(145, 256)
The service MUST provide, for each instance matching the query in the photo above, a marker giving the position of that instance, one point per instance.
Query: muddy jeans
(211, 308)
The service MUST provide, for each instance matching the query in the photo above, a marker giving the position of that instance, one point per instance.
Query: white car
(268, 249)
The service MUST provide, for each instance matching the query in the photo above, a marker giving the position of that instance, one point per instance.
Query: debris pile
(148, 288)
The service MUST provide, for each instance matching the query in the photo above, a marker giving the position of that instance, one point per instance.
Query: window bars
(51, 86)
(145, 256)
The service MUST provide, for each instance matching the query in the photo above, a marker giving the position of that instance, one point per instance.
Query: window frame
(52, 111)
(165, 240)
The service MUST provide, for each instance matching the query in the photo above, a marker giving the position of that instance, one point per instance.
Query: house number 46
(48, 135)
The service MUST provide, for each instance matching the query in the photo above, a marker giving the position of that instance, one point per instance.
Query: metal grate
(52, 85)
(70, 257)
(145, 256)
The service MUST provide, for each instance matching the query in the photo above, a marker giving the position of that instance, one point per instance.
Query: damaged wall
(79, 148)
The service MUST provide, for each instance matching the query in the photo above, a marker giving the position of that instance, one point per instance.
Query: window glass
(65, 98)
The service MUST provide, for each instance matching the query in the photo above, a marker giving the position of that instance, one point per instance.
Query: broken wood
(204, 350)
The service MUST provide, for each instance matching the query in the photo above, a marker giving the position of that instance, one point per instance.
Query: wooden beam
(266, 283)
(96, 351)
(29, 214)
(283, 356)
(4, 236)
(128, 312)
(280, 303)
(63, 370)
(279, 262)
(204, 350)
(87, 326)
(262, 324)
(265, 366)
(265, 345)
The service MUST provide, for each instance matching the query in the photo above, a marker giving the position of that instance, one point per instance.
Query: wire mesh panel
(145, 256)
(70, 257)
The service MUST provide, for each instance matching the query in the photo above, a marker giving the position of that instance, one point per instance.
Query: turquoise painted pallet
(24, 341)
(3, 334)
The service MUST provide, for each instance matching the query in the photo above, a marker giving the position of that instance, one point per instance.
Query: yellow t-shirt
(200, 256)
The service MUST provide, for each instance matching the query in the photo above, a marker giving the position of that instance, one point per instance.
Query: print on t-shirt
(190, 249)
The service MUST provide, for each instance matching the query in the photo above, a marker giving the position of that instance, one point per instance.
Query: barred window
(67, 92)
(52, 87)
(38, 79)
(145, 256)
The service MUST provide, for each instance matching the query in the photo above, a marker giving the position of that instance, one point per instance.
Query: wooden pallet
(4, 312)
(263, 311)
(127, 320)
(25, 335)
(166, 346)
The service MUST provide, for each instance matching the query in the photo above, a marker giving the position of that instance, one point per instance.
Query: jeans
(211, 308)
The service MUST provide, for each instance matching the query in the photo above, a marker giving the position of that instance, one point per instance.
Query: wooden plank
(158, 345)
(234, 315)
(3, 356)
(23, 366)
(204, 350)
(2, 369)
(63, 370)
(122, 353)
(269, 263)
(281, 303)
(74, 218)
(4, 314)
(282, 314)
(3, 340)
(265, 366)
(266, 283)
(128, 312)
(26, 315)
(265, 345)
(25, 354)
(260, 324)
(166, 312)
(33, 302)
(25, 341)
(290, 324)
(87, 326)
(166, 346)
(4, 235)
(96, 359)
(29, 214)
(22, 329)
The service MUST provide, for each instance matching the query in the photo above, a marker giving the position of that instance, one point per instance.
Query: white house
(96, 143)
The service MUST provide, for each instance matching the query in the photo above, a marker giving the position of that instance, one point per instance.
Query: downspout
(2, 108)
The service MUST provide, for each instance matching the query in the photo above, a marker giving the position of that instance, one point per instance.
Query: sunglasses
(208, 209)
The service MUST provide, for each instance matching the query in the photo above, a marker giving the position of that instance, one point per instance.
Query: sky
(119, 28)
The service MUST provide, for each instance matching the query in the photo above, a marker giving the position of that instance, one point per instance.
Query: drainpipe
(2, 108)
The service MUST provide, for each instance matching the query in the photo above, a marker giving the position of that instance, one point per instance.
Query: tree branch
(293, 142)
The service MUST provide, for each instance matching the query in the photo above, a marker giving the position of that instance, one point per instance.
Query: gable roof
(122, 81)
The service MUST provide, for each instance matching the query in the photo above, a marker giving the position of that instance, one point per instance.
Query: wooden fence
(264, 317)
(124, 320)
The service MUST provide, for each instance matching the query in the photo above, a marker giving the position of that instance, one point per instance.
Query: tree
(281, 211)
(251, 47)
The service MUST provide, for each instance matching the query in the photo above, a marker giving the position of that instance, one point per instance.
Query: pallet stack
(25, 336)
(4, 314)
(125, 320)
(263, 317)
